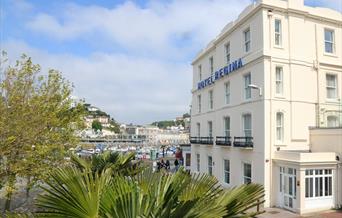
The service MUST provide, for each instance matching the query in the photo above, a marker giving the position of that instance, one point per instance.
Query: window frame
(211, 99)
(211, 65)
(210, 128)
(226, 131)
(247, 40)
(244, 177)
(279, 82)
(247, 94)
(200, 72)
(198, 126)
(227, 92)
(312, 176)
(199, 103)
(335, 88)
(337, 122)
(226, 172)
(210, 166)
(330, 42)
(198, 162)
(278, 33)
(227, 52)
(244, 126)
(280, 127)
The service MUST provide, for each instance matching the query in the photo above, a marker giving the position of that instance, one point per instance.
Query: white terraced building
(258, 87)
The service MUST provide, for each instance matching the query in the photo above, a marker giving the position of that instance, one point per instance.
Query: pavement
(281, 213)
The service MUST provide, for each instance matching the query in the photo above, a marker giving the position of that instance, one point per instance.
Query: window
(318, 183)
(247, 173)
(198, 129)
(227, 92)
(247, 38)
(279, 80)
(226, 171)
(329, 39)
(247, 80)
(198, 159)
(210, 165)
(331, 86)
(187, 159)
(277, 32)
(211, 99)
(280, 126)
(247, 125)
(227, 49)
(211, 64)
(332, 121)
(199, 103)
(226, 121)
(210, 128)
(200, 72)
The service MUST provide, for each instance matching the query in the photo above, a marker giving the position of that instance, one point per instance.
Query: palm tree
(72, 192)
(123, 164)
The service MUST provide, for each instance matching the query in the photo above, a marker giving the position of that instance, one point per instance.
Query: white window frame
(280, 127)
(332, 43)
(200, 72)
(247, 90)
(226, 172)
(210, 165)
(247, 40)
(336, 121)
(311, 175)
(199, 102)
(227, 92)
(211, 99)
(226, 130)
(198, 126)
(279, 81)
(211, 65)
(329, 87)
(198, 162)
(278, 34)
(245, 177)
(244, 126)
(227, 52)
(210, 128)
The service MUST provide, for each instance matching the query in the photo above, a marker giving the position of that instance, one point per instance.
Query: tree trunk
(28, 187)
(11, 183)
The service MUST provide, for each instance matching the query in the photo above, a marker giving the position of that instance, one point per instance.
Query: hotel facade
(262, 91)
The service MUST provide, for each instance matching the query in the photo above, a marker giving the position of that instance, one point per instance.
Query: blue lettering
(216, 75)
(234, 65)
(221, 72)
(226, 70)
(240, 63)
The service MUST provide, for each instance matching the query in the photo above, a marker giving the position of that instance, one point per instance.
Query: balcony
(243, 142)
(223, 140)
(202, 140)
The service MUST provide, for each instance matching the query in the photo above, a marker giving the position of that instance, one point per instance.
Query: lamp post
(252, 86)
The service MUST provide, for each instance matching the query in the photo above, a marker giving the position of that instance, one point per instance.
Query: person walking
(167, 164)
(176, 164)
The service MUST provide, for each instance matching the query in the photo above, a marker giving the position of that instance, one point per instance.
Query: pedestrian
(162, 163)
(167, 164)
(176, 164)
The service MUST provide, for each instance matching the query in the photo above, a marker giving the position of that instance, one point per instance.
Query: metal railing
(202, 140)
(243, 142)
(223, 140)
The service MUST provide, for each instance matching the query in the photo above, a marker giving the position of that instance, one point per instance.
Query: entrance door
(288, 191)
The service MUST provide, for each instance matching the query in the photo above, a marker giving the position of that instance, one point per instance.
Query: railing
(243, 142)
(223, 140)
(201, 140)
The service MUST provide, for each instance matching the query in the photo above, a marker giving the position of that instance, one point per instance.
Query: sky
(132, 59)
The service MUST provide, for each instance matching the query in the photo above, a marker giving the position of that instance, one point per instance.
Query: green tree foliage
(96, 125)
(72, 192)
(37, 123)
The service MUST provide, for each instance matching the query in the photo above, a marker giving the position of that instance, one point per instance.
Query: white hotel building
(251, 121)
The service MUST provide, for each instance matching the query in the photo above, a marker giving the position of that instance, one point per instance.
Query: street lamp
(252, 86)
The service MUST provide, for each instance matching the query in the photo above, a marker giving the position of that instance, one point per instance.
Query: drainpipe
(270, 97)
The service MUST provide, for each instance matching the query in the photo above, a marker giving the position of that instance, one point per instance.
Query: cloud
(154, 28)
(131, 89)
